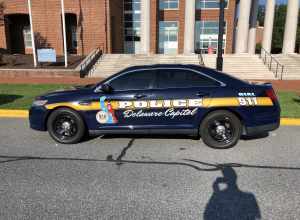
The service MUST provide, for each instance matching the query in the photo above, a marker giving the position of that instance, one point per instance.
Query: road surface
(135, 177)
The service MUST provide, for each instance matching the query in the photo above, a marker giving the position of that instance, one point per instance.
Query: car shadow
(177, 136)
(148, 136)
(255, 136)
(7, 98)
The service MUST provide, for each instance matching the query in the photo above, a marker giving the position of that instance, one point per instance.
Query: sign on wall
(46, 55)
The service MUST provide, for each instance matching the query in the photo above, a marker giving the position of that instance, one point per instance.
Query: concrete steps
(112, 63)
(243, 66)
(291, 64)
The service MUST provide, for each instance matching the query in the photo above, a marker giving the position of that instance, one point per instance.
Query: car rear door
(183, 92)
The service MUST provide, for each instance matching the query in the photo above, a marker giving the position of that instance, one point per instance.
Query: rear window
(181, 78)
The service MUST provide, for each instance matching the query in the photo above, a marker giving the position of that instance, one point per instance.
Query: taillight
(271, 94)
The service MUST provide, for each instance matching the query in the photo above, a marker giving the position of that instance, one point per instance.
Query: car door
(183, 91)
(119, 108)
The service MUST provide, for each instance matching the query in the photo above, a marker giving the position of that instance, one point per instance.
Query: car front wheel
(220, 129)
(66, 126)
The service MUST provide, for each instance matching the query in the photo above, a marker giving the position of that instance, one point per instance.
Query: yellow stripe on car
(75, 105)
(206, 103)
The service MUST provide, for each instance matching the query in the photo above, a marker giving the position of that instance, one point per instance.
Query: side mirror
(106, 88)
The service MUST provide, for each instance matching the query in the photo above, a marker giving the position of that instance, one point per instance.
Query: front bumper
(38, 117)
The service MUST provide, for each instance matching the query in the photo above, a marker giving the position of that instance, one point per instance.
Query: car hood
(67, 93)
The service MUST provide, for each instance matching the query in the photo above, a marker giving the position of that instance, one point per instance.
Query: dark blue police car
(160, 99)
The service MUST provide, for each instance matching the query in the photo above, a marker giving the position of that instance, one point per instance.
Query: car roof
(218, 75)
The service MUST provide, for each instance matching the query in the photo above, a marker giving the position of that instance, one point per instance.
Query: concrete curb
(7, 113)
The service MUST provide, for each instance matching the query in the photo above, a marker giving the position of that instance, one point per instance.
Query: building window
(27, 37)
(206, 36)
(209, 4)
(132, 26)
(168, 4)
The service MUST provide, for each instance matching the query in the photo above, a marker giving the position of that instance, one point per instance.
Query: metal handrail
(272, 63)
(90, 60)
(200, 57)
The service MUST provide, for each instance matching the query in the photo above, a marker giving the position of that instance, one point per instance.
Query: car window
(136, 80)
(181, 78)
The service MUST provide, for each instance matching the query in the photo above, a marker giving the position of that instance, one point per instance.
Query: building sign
(46, 55)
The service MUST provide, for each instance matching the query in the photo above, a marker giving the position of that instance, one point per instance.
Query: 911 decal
(248, 101)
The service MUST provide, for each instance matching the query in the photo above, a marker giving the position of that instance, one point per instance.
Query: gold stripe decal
(175, 103)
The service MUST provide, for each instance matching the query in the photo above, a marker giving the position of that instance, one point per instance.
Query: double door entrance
(168, 37)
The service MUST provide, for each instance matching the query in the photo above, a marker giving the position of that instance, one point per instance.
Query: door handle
(139, 96)
(202, 94)
(85, 103)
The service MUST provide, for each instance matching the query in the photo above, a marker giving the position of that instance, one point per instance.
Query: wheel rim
(221, 129)
(65, 126)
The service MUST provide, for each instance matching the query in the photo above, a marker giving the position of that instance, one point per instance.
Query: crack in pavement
(122, 154)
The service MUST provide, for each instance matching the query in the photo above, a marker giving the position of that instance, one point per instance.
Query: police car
(160, 99)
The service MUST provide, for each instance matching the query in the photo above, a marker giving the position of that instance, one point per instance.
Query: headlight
(39, 102)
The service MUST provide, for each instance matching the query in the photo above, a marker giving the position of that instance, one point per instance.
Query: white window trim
(170, 9)
(199, 9)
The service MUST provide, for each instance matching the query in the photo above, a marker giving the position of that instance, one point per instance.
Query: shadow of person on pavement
(229, 202)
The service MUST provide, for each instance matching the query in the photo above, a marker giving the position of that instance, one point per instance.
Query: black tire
(221, 129)
(66, 126)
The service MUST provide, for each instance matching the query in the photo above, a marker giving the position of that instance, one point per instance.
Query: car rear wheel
(66, 126)
(220, 129)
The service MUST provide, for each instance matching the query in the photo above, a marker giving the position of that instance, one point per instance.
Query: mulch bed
(21, 61)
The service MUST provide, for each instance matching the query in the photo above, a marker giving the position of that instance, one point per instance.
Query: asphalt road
(129, 177)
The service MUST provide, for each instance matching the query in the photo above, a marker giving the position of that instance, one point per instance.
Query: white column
(252, 30)
(64, 32)
(268, 25)
(189, 27)
(243, 26)
(32, 34)
(290, 30)
(145, 26)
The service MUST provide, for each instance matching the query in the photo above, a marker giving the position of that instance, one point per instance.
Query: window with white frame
(168, 4)
(209, 4)
(27, 37)
(206, 36)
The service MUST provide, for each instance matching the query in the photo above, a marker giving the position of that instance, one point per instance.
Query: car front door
(130, 93)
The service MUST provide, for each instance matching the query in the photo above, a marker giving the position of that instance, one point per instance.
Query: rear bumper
(262, 128)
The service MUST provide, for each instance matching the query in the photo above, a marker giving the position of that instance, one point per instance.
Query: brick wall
(100, 23)
(47, 24)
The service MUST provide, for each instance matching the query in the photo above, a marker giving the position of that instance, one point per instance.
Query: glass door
(132, 26)
(168, 37)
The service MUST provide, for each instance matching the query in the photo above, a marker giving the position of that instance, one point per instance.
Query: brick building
(117, 26)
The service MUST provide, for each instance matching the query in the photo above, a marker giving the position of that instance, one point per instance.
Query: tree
(261, 15)
(278, 29)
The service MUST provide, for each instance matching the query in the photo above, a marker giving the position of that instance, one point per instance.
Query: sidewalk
(282, 85)
(48, 80)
